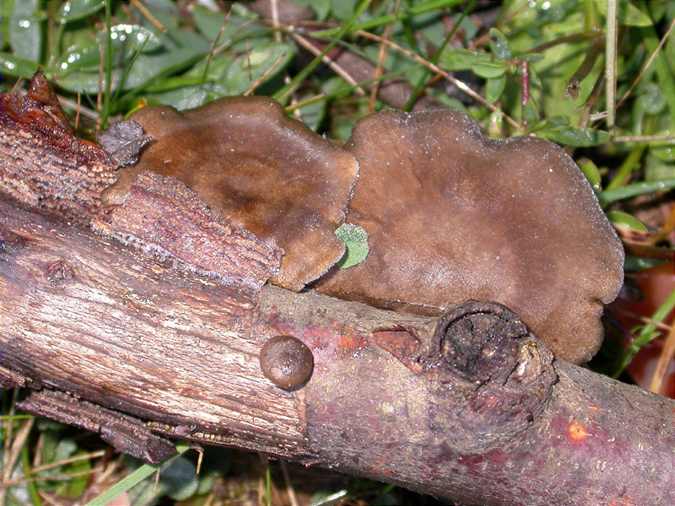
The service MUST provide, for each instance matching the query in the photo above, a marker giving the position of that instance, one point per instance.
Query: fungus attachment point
(259, 169)
(287, 362)
(453, 216)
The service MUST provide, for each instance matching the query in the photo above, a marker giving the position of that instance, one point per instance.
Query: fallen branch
(141, 344)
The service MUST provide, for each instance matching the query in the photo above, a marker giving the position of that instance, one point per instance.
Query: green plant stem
(107, 97)
(424, 78)
(633, 190)
(133, 479)
(647, 334)
(388, 18)
(662, 66)
(268, 485)
(30, 484)
(631, 163)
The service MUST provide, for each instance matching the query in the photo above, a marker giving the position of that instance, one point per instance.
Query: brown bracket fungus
(258, 168)
(452, 215)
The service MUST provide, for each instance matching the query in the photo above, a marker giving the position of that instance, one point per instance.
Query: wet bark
(113, 322)
(470, 406)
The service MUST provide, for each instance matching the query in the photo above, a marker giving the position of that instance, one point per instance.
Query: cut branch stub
(262, 170)
(453, 216)
(499, 373)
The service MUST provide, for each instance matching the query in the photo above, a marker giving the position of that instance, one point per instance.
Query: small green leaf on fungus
(356, 244)
(625, 220)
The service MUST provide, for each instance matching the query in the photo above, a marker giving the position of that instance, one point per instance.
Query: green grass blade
(30, 484)
(424, 78)
(647, 334)
(133, 479)
(633, 190)
(107, 95)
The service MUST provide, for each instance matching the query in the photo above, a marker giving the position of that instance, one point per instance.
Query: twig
(274, 4)
(647, 64)
(76, 458)
(461, 85)
(289, 486)
(212, 50)
(525, 83)
(667, 354)
(381, 57)
(252, 87)
(327, 60)
(145, 12)
(14, 451)
(645, 138)
(610, 62)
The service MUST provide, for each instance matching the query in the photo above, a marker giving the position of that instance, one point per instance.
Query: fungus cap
(452, 215)
(257, 167)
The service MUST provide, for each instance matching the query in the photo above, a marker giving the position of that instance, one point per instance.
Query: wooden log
(470, 407)
(142, 335)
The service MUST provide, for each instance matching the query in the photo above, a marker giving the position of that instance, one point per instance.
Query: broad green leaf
(531, 112)
(132, 38)
(25, 32)
(75, 487)
(494, 88)
(78, 9)
(657, 168)
(651, 99)
(186, 97)
(320, 7)
(621, 219)
(180, 479)
(313, 114)
(166, 12)
(77, 58)
(17, 67)
(635, 189)
(499, 44)
(239, 23)
(356, 244)
(146, 67)
(572, 136)
(264, 61)
(343, 9)
(481, 64)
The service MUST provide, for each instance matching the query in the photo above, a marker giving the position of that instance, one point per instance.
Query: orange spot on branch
(577, 432)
